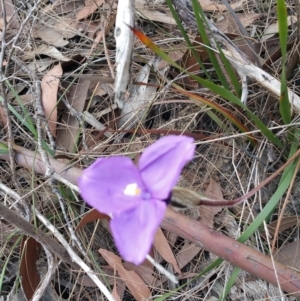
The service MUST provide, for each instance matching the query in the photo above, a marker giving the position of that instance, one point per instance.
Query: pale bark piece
(124, 43)
(135, 284)
(67, 134)
(49, 86)
(139, 100)
(163, 248)
(245, 68)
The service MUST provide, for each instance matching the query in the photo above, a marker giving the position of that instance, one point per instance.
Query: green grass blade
(26, 120)
(230, 282)
(186, 38)
(270, 206)
(284, 104)
(200, 19)
(210, 85)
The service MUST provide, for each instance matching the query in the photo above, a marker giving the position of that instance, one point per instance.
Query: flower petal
(102, 185)
(133, 230)
(161, 163)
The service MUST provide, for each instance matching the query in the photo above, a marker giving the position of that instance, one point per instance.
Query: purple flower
(135, 196)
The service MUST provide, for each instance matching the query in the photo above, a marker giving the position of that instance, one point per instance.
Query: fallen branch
(213, 241)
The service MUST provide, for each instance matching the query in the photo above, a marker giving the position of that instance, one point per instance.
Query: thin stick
(74, 256)
(162, 270)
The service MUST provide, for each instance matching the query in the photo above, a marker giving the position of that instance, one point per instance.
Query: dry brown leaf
(51, 36)
(67, 27)
(88, 28)
(26, 99)
(63, 8)
(208, 213)
(234, 28)
(143, 270)
(190, 63)
(115, 294)
(289, 255)
(163, 248)
(246, 20)
(49, 86)
(187, 253)
(90, 7)
(91, 216)
(273, 28)
(135, 284)
(67, 133)
(208, 5)
(40, 65)
(285, 223)
(175, 56)
(11, 15)
(45, 50)
(152, 14)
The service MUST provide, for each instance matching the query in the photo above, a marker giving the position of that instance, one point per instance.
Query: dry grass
(222, 153)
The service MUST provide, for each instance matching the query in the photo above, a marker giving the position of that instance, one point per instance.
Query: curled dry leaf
(135, 284)
(49, 85)
(30, 253)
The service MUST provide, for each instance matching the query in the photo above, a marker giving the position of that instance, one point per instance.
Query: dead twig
(52, 266)
(213, 241)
